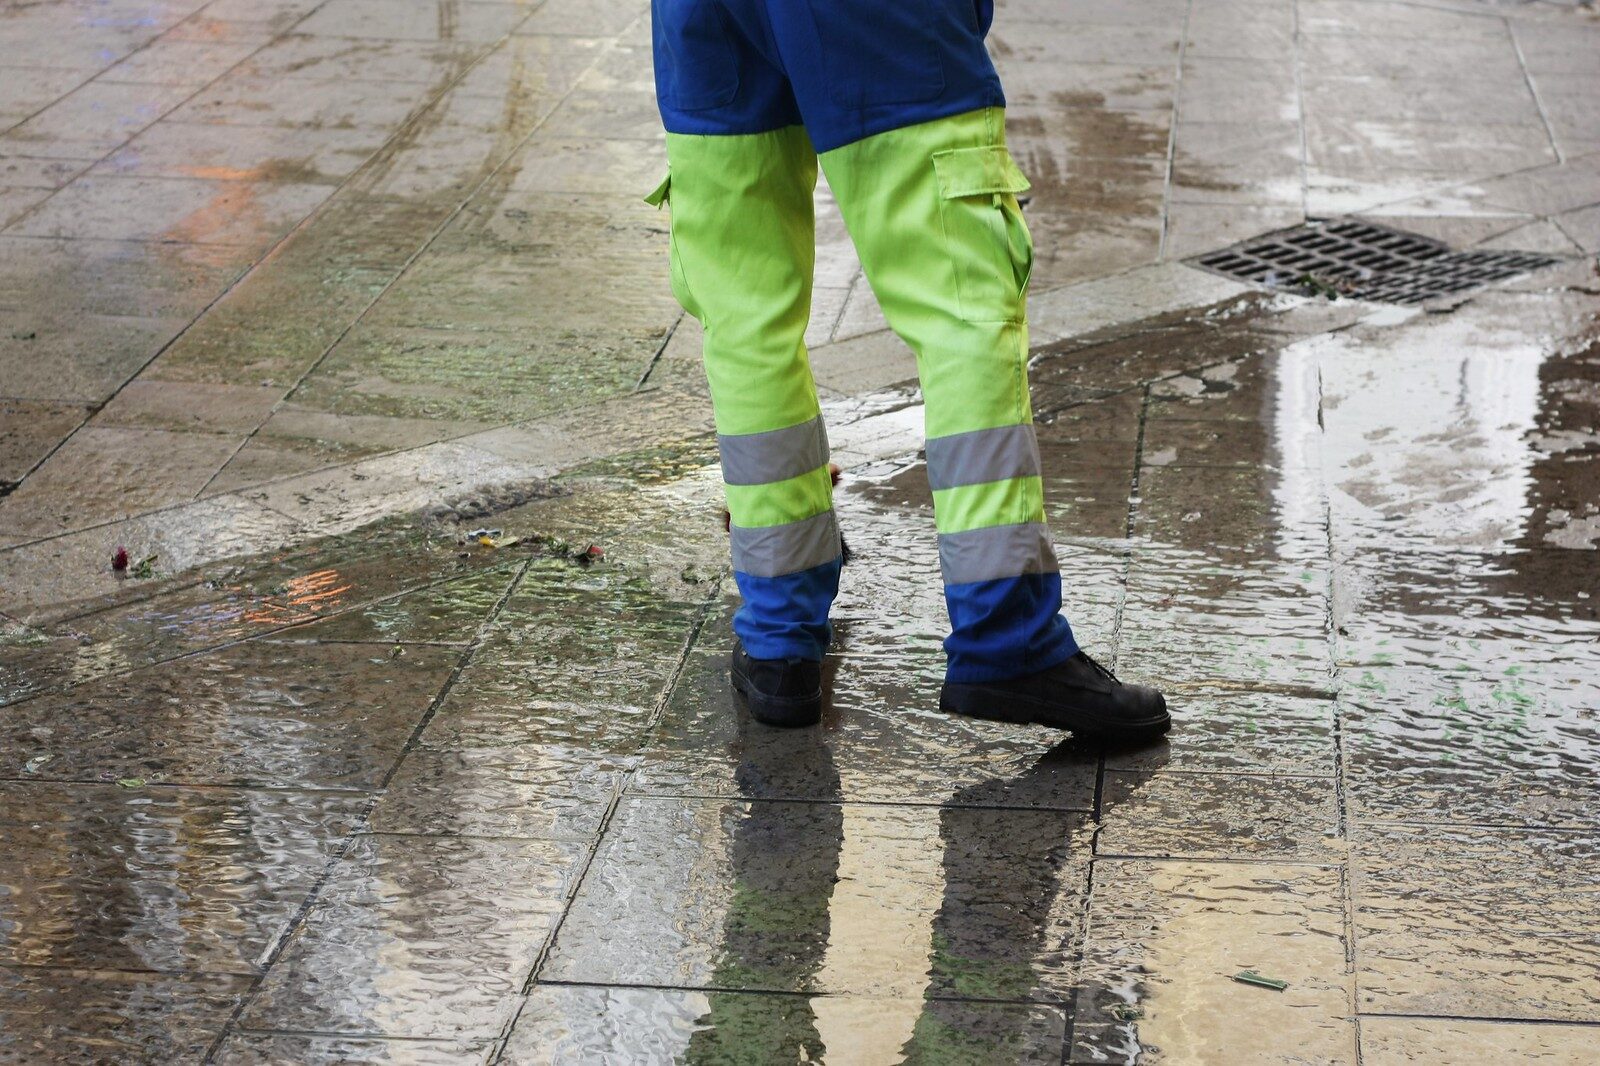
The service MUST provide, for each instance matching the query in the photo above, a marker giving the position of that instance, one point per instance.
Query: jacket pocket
(984, 232)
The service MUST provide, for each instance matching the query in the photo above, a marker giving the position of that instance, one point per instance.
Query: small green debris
(130, 782)
(397, 651)
(1127, 1012)
(144, 569)
(1250, 977)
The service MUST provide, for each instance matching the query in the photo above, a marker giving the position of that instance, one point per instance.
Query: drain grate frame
(1365, 261)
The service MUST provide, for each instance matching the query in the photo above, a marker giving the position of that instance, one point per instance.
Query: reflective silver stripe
(995, 552)
(769, 551)
(982, 455)
(776, 455)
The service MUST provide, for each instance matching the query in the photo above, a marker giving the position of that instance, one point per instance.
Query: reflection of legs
(933, 212)
(785, 859)
(743, 251)
(1000, 916)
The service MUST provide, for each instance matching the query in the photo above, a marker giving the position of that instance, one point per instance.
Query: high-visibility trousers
(913, 145)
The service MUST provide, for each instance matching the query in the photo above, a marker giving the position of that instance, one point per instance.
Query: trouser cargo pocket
(984, 232)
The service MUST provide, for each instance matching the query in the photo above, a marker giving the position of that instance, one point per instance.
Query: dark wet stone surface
(250, 1048)
(97, 1016)
(743, 896)
(1217, 815)
(139, 877)
(419, 936)
(230, 717)
(560, 1024)
(1433, 909)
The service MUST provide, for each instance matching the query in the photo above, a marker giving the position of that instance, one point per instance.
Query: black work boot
(1079, 694)
(781, 692)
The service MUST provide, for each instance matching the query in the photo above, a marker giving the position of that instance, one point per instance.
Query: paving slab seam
(1215, 860)
(1172, 129)
(1496, 1018)
(656, 358)
(734, 797)
(1527, 79)
(342, 848)
(1304, 168)
(697, 624)
(933, 997)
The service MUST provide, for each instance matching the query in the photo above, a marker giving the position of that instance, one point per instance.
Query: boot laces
(1098, 668)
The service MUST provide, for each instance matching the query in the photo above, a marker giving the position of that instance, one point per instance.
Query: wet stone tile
(48, 355)
(760, 896)
(1466, 611)
(1460, 1042)
(113, 277)
(244, 153)
(103, 474)
(1496, 923)
(1240, 731)
(334, 58)
(158, 878)
(420, 937)
(572, 1024)
(30, 430)
(554, 792)
(92, 1017)
(188, 210)
(1164, 938)
(414, 20)
(1441, 746)
(447, 613)
(1164, 813)
(579, 656)
(1251, 512)
(491, 377)
(231, 717)
(100, 115)
(252, 1048)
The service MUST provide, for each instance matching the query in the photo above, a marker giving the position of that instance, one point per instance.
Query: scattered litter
(32, 765)
(119, 559)
(1250, 977)
(1126, 1012)
(144, 569)
(584, 556)
(397, 651)
(131, 782)
(485, 534)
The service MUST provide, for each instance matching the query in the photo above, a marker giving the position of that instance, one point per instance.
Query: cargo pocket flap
(659, 194)
(977, 171)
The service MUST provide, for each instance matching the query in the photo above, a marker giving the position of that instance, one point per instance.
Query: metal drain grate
(1348, 258)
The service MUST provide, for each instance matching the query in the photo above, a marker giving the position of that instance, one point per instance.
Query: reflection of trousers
(928, 192)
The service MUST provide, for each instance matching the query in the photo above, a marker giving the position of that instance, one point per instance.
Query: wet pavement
(299, 296)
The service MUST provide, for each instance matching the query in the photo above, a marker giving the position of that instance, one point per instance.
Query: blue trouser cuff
(786, 617)
(1006, 628)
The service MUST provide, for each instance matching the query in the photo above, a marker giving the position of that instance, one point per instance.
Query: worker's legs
(933, 212)
(743, 248)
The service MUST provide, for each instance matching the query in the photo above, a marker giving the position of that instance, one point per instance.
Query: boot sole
(783, 712)
(994, 705)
